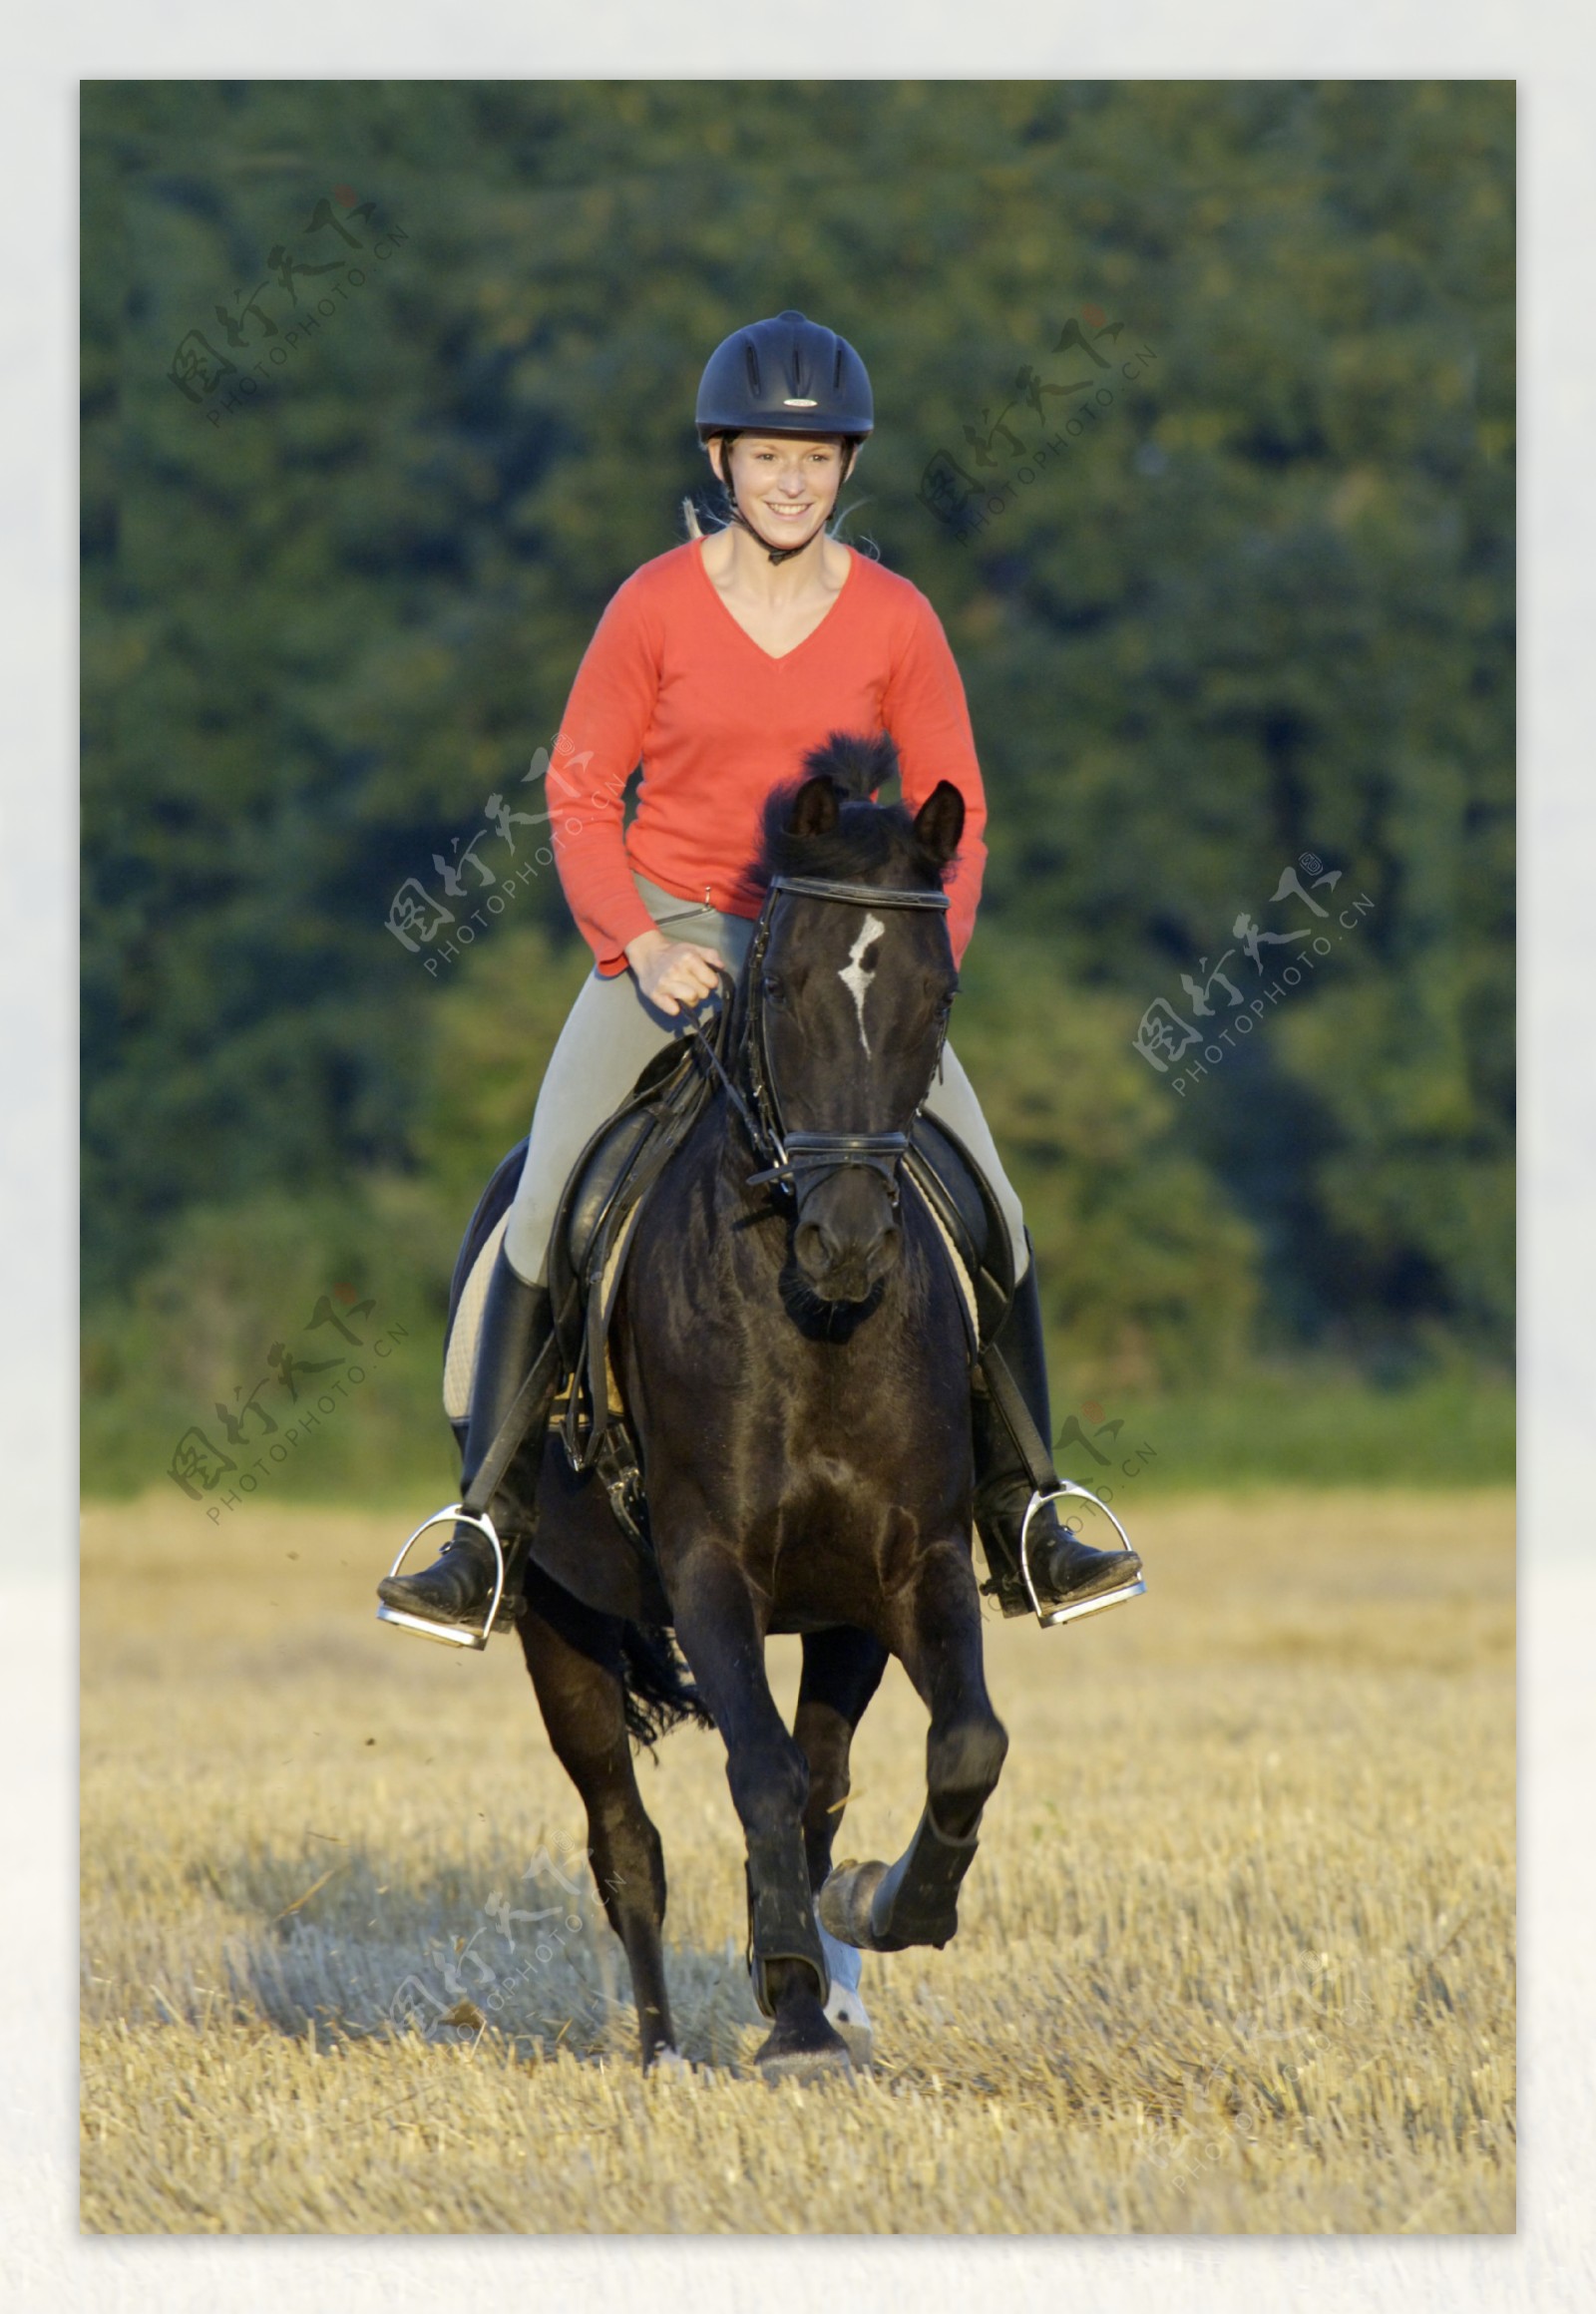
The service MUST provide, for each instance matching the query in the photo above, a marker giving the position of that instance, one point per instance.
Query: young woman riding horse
(718, 665)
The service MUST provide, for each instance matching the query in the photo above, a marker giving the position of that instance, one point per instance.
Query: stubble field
(1236, 1955)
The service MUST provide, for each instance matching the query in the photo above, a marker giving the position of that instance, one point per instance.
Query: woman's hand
(673, 973)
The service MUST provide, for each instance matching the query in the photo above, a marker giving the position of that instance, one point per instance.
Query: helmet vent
(750, 354)
(836, 373)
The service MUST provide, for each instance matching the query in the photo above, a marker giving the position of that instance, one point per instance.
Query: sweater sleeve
(600, 741)
(924, 710)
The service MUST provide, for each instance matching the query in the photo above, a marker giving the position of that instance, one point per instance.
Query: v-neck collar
(772, 658)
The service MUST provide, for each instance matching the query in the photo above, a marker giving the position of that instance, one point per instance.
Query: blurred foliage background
(1261, 611)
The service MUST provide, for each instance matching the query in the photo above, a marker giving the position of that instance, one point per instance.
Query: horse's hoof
(845, 1900)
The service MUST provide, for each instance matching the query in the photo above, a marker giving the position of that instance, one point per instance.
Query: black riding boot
(1066, 1571)
(458, 1586)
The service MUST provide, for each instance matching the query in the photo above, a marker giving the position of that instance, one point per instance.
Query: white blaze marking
(856, 977)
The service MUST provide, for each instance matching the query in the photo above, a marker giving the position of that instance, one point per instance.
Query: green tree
(1260, 604)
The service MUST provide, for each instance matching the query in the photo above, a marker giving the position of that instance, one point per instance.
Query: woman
(718, 665)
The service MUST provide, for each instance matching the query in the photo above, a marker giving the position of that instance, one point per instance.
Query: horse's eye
(775, 989)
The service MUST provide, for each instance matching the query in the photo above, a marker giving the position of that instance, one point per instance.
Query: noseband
(796, 1161)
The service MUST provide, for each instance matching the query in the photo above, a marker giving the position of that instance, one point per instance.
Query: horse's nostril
(814, 1244)
(823, 1251)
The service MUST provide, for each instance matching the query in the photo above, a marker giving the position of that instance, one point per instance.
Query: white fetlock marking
(846, 2007)
(845, 2011)
(843, 1963)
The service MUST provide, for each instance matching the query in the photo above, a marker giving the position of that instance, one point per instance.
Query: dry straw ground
(1236, 1954)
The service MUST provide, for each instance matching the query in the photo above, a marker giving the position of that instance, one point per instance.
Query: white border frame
(43, 2262)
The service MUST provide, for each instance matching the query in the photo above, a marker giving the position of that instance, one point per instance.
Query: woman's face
(784, 483)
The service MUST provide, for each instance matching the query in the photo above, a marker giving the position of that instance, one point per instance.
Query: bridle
(797, 1161)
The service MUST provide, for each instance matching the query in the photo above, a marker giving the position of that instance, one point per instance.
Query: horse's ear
(939, 822)
(814, 808)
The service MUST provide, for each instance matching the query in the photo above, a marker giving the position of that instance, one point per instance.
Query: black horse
(792, 1354)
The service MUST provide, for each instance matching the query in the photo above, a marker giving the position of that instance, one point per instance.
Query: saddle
(595, 1222)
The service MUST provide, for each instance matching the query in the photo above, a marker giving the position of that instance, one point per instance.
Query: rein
(790, 1156)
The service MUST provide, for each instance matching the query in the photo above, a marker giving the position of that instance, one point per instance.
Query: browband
(858, 894)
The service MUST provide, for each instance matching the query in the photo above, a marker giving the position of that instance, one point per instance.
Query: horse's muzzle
(846, 1238)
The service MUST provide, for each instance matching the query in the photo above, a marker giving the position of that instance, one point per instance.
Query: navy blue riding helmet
(787, 375)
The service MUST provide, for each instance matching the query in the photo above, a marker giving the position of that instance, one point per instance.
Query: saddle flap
(967, 1214)
(593, 1230)
(599, 1175)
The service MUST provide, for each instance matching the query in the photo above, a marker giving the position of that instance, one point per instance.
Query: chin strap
(776, 554)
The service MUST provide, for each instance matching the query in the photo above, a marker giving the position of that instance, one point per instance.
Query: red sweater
(671, 679)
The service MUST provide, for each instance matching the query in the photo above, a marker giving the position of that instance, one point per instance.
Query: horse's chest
(748, 1419)
(849, 1447)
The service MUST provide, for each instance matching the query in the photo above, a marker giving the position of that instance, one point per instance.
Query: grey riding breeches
(612, 1030)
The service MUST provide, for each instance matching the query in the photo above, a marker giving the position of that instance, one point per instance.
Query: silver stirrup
(452, 1634)
(1066, 1613)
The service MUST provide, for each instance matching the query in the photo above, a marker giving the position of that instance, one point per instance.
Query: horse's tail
(657, 1690)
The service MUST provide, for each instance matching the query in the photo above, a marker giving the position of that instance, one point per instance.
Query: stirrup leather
(452, 1634)
(1067, 1612)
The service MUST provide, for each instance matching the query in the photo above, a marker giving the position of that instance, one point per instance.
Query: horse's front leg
(842, 1670)
(721, 1628)
(936, 1635)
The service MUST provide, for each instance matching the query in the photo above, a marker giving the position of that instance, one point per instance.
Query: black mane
(867, 837)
